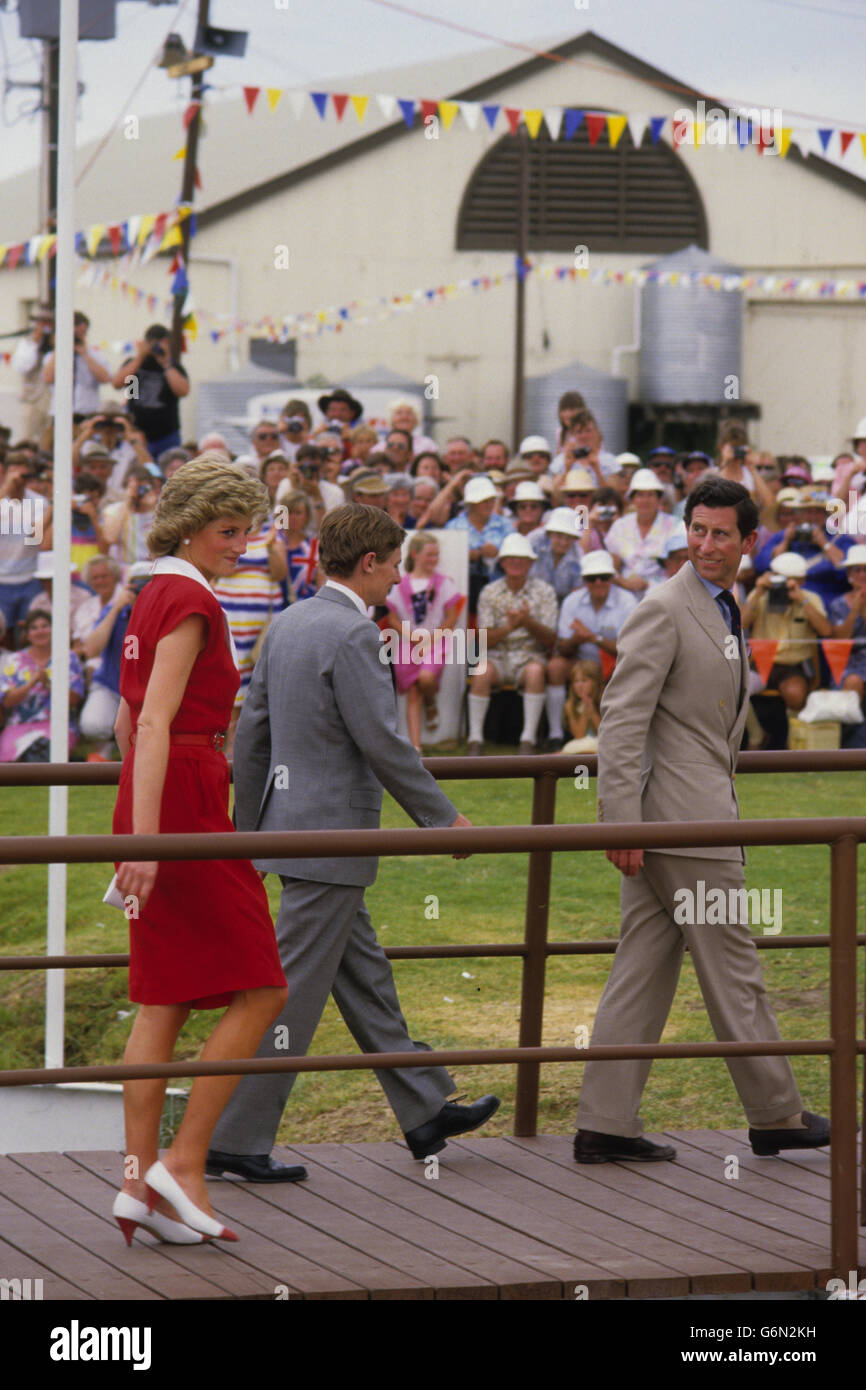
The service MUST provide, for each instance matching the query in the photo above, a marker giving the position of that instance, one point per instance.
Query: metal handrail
(541, 839)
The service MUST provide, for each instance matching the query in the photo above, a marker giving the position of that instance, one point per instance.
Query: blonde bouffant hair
(201, 490)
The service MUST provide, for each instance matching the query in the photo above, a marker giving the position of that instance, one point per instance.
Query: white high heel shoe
(129, 1213)
(160, 1183)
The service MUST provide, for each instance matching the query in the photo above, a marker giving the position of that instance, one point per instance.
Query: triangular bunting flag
(783, 140)
(15, 254)
(32, 248)
(359, 106)
(114, 238)
(408, 109)
(636, 127)
(766, 139)
(863, 142)
(470, 111)
(189, 113)
(196, 178)
(297, 101)
(553, 121)
(573, 122)
(180, 154)
(173, 237)
(273, 95)
(657, 125)
(251, 96)
(533, 121)
(512, 116)
(837, 651)
(159, 225)
(448, 112)
(320, 101)
(763, 651)
(595, 124)
(615, 127)
(825, 136)
(132, 225)
(490, 114)
(845, 138)
(49, 244)
(340, 100)
(94, 237)
(681, 131)
(386, 104)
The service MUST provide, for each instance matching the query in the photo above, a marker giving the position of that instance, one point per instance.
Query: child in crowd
(580, 716)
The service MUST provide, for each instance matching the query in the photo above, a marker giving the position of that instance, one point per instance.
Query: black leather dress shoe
(592, 1147)
(253, 1167)
(767, 1142)
(452, 1119)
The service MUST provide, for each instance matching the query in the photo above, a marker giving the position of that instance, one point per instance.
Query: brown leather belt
(215, 740)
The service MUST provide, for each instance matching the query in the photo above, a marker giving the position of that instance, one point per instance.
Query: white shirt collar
(173, 564)
(356, 598)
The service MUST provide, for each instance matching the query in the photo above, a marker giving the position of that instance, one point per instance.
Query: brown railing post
(843, 1058)
(534, 961)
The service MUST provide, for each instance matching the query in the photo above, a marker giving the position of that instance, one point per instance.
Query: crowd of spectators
(564, 539)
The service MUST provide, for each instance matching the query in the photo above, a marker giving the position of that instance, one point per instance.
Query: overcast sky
(800, 55)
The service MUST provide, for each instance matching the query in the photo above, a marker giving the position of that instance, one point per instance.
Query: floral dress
(31, 720)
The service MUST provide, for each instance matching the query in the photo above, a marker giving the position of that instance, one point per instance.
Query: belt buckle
(218, 741)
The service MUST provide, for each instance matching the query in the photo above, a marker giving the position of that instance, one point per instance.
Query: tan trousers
(640, 990)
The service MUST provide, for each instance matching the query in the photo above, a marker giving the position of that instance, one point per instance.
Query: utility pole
(48, 189)
(187, 192)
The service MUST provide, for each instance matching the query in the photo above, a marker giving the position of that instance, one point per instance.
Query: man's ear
(750, 542)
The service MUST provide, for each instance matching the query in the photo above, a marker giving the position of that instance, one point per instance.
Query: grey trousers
(640, 990)
(328, 946)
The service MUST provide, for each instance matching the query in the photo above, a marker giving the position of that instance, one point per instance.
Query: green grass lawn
(452, 1003)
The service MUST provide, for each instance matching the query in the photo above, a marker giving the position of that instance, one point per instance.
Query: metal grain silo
(691, 335)
(606, 396)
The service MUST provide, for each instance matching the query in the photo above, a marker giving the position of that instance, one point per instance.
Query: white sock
(478, 707)
(532, 708)
(554, 703)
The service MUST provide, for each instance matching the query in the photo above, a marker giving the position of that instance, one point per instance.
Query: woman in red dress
(201, 934)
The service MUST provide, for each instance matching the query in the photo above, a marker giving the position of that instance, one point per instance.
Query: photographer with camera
(89, 368)
(28, 360)
(780, 610)
(294, 425)
(806, 532)
(159, 384)
(125, 524)
(24, 520)
(110, 432)
(305, 475)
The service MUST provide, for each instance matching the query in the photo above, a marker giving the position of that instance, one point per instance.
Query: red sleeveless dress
(206, 930)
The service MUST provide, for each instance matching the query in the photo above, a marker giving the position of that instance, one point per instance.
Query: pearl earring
(186, 540)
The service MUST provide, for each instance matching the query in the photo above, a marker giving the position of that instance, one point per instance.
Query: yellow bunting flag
(94, 237)
(173, 237)
(615, 127)
(273, 95)
(3, 250)
(47, 243)
(146, 227)
(180, 154)
(783, 139)
(448, 112)
(359, 105)
(700, 129)
(533, 121)
(863, 142)
(190, 326)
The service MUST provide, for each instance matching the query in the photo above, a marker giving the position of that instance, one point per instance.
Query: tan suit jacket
(673, 714)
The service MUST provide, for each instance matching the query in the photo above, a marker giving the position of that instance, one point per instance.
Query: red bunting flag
(114, 237)
(594, 126)
(429, 108)
(251, 95)
(679, 131)
(837, 651)
(15, 254)
(845, 138)
(159, 225)
(512, 116)
(196, 177)
(189, 114)
(340, 100)
(766, 138)
(763, 651)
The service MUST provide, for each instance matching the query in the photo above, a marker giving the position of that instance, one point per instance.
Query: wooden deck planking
(505, 1218)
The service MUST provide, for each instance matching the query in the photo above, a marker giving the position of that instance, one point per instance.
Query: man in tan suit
(672, 721)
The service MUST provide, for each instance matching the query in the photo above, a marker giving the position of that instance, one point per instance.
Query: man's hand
(582, 632)
(628, 861)
(489, 550)
(460, 823)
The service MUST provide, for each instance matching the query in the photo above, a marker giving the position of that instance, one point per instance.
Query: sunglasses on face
(268, 434)
(577, 494)
(598, 578)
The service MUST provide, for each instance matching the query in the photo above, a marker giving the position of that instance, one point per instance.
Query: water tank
(606, 396)
(691, 336)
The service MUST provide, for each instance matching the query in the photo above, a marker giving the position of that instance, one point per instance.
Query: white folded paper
(113, 896)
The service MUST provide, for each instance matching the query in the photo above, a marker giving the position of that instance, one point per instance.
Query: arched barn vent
(625, 199)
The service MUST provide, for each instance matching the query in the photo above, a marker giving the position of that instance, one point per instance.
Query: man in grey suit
(672, 720)
(315, 745)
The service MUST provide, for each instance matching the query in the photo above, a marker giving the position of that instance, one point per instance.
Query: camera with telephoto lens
(777, 595)
(582, 453)
(803, 531)
(740, 451)
(295, 425)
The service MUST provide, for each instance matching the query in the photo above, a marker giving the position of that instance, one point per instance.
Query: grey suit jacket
(673, 714)
(317, 738)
